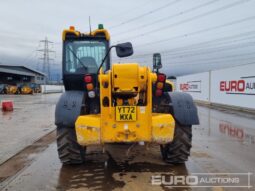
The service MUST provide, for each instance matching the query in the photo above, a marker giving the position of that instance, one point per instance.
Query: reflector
(159, 92)
(91, 94)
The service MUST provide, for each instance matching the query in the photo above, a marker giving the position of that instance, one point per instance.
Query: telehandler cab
(118, 103)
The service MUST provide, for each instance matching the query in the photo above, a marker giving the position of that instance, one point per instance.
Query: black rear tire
(178, 151)
(69, 151)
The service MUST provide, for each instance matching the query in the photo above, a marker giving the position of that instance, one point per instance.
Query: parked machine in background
(118, 103)
(10, 89)
(35, 87)
(27, 88)
(24, 89)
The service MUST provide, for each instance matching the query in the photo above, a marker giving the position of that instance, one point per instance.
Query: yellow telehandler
(117, 103)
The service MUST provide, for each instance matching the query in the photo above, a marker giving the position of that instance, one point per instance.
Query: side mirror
(124, 49)
(157, 61)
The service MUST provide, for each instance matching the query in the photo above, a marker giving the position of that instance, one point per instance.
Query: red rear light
(161, 77)
(88, 79)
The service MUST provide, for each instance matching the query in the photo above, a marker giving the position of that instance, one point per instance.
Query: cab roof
(96, 33)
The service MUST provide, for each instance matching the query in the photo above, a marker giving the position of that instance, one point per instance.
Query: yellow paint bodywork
(97, 31)
(89, 132)
(162, 126)
(68, 31)
(93, 33)
(125, 79)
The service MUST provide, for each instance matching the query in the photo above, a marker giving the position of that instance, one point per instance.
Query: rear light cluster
(88, 79)
(161, 78)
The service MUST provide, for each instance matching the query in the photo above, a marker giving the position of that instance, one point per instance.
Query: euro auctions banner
(191, 86)
(234, 86)
(195, 84)
(245, 86)
(230, 86)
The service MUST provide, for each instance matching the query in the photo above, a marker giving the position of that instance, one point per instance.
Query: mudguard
(69, 108)
(183, 108)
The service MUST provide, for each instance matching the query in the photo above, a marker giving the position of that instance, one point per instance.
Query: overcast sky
(191, 35)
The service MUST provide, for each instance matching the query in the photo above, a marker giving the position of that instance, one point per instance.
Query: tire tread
(178, 151)
(69, 151)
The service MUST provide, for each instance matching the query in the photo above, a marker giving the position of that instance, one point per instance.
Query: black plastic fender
(69, 108)
(183, 108)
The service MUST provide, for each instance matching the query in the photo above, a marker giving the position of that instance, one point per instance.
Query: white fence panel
(234, 86)
(52, 88)
(197, 85)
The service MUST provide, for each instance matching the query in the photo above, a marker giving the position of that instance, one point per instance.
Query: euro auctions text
(238, 180)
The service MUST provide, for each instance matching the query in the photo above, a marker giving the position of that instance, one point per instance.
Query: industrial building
(10, 74)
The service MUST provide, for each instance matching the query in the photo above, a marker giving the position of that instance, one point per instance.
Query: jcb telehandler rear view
(118, 103)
